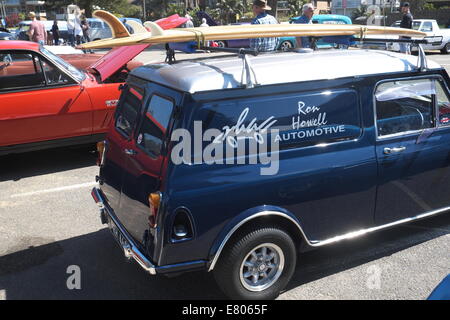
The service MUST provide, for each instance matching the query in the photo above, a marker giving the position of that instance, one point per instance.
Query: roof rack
(421, 57)
(248, 76)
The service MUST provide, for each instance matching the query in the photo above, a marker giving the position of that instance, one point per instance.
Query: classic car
(98, 29)
(6, 36)
(46, 101)
(327, 42)
(205, 169)
(439, 38)
(24, 26)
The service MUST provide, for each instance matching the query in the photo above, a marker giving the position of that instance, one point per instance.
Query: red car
(47, 102)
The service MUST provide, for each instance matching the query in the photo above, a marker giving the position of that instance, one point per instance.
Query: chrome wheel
(262, 267)
(285, 46)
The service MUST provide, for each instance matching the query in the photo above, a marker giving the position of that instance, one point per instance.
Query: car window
(415, 25)
(54, 76)
(404, 106)
(427, 27)
(95, 24)
(155, 123)
(76, 74)
(127, 111)
(20, 70)
(443, 103)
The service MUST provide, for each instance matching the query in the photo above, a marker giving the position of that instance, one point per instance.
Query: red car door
(39, 102)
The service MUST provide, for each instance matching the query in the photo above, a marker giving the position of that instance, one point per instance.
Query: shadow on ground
(23, 165)
(40, 272)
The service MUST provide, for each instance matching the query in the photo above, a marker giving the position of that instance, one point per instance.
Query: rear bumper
(130, 248)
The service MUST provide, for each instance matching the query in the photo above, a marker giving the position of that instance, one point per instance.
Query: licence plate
(121, 240)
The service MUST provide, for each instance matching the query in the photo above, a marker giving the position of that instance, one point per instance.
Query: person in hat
(262, 17)
(37, 32)
(406, 23)
(306, 18)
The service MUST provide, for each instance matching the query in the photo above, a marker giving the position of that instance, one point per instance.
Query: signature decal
(309, 121)
(252, 130)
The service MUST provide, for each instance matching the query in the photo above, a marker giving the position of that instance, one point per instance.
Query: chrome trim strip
(362, 232)
(320, 243)
(130, 251)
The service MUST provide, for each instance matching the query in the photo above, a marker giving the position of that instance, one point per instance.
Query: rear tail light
(154, 201)
(100, 152)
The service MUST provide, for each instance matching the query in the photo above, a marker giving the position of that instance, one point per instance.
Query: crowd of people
(78, 29)
(260, 9)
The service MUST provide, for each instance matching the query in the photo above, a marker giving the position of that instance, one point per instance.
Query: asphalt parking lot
(49, 222)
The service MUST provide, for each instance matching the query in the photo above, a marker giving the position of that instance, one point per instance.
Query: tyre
(221, 44)
(285, 46)
(446, 49)
(256, 265)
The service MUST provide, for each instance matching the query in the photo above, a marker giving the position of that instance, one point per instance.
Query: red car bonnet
(115, 59)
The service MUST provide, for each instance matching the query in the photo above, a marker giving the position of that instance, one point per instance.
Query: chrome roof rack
(422, 64)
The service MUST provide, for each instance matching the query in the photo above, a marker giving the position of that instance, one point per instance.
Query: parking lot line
(71, 187)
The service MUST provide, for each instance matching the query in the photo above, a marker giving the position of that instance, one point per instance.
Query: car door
(145, 160)
(38, 101)
(413, 148)
(119, 137)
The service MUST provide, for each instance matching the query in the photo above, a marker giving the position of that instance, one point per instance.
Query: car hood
(115, 59)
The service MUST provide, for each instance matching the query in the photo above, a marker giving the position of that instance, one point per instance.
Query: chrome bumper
(129, 247)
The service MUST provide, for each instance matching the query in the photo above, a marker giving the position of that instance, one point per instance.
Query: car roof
(225, 73)
(17, 44)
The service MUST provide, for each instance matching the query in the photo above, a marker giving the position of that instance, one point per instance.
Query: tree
(228, 9)
(120, 7)
(295, 7)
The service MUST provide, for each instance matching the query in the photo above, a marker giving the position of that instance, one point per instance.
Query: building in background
(24, 6)
(347, 7)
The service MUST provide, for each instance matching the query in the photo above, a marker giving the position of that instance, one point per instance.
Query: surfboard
(137, 27)
(119, 30)
(170, 22)
(121, 37)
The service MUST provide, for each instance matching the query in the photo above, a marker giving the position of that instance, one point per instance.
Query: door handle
(130, 152)
(394, 150)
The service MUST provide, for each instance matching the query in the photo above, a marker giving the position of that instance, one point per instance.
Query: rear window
(154, 125)
(301, 119)
(127, 112)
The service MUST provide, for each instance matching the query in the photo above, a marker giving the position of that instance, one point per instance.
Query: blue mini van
(235, 170)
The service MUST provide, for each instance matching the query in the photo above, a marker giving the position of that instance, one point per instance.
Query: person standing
(55, 33)
(205, 25)
(129, 28)
(70, 33)
(78, 31)
(406, 23)
(306, 18)
(262, 17)
(85, 29)
(37, 32)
